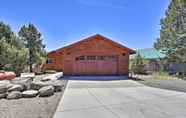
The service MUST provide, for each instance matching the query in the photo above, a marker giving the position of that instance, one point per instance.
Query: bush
(137, 65)
(12, 58)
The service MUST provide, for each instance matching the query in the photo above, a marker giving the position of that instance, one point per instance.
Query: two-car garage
(95, 55)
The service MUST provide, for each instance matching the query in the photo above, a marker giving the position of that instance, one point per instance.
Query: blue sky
(134, 23)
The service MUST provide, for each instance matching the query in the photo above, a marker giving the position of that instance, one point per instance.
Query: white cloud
(117, 4)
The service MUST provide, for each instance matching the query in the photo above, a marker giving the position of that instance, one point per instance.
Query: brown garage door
(95, 65)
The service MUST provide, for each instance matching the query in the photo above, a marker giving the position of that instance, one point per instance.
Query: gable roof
(150, 53)
(94, 37)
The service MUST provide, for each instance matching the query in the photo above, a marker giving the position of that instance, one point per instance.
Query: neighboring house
(152, 59)
(95, 55)
(179, 69)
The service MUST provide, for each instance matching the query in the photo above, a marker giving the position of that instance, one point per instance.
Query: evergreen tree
(5, 32)
(33, 41)
(138, 65)
(173, 32)
(14, 50)
(13, 54)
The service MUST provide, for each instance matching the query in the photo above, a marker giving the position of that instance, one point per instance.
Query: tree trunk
(30, 61)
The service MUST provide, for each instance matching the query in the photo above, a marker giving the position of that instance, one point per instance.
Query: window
(101, 57)
(111, 57)
(48, 61)
(91, 57)
(80, 58)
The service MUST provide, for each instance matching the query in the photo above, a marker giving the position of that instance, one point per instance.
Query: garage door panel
(97, 66)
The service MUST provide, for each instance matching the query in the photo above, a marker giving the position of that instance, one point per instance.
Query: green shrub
(137, 65)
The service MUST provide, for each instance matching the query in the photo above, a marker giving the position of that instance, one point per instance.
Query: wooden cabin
(95, 55)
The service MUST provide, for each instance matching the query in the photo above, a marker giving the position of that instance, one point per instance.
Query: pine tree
(173, 32)
(33, 41)
(13, 54)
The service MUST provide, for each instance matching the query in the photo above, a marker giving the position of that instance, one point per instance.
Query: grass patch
(163, 76)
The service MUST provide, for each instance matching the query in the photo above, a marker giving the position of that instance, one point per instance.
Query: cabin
(95, 55)
(153, 59)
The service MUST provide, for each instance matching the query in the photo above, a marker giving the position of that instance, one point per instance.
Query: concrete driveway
(119, 99)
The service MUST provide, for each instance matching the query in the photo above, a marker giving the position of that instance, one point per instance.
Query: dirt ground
(176, 85)
(38, 107)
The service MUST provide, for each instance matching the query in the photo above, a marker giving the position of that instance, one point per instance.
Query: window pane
(48, 61)
(101, 58)
(111, 57)
(81, 58)
(91, 57)
(96, 58)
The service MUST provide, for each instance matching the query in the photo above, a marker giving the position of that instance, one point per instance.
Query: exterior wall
(153, 65)
(64, 60)
(123, 63)
(57, 62)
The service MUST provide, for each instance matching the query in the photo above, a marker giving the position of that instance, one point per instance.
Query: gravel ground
(176, 85)
(38, 107)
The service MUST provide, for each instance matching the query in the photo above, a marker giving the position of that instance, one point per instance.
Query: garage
(95, 55)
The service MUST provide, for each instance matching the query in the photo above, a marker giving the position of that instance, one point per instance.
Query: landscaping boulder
(29, 93)
(58, 85)
(48, 78)
(4, 82)
(25, 82)
(46, 91)
(16, 87)
(58, 75)
(52, 77)
(37, 85)
(3, 88)
(3, 95)
(28, 75)
(14, 95)
(9, 85)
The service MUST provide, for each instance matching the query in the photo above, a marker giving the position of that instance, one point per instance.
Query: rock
(58, 85)
(52, 77)
(16, 87)
(29, 93)
(46, 91)
(29, 75)
(58, 75)
(14, 95)
(48, 78)
(37, 85)
(25, 82)
(3, 95)
(4, 82)
(3, 88)
(9, 85)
